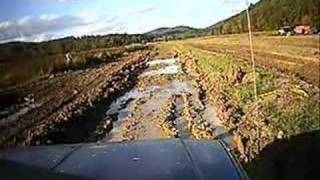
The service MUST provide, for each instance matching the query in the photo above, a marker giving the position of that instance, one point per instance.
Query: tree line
(26, 50)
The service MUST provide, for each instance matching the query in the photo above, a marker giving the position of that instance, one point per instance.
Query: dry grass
(23, 70)
(296, 55)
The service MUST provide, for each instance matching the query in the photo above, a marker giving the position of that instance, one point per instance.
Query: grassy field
(290, 105)
(296, 55)
(287, 86)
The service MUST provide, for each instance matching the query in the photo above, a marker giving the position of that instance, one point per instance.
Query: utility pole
(252, 54)
(258, 135)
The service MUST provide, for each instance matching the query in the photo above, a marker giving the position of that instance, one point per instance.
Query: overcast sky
(38, 20)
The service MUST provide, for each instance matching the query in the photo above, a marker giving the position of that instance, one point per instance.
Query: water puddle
(163, 67)
(172, 69)
(123, 106)
(149, 100)
(210, 114)
(144, 102)
(12, 114)
(163, 62)
(180, 121)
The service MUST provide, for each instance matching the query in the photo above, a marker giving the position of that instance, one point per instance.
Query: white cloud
(23, 20)
(30, 26)
(37, 37)
(48, 17)
(88, 22)
(49, 26)
(5, 24)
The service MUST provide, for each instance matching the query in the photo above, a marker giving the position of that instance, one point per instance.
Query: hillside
(270, 15)
(266, 15)
(174, 32)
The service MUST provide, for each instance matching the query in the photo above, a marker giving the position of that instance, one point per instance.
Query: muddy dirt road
(140, 96)
(165, 103)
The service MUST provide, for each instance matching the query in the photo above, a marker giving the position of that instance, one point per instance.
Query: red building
(302, 29)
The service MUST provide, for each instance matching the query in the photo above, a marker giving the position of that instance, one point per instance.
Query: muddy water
(180, 121)
(210, 114)
(12, 113)
(148, 99)
(140, 110)
(161, 82)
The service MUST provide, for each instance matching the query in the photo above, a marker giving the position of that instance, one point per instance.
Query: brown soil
(122, 100)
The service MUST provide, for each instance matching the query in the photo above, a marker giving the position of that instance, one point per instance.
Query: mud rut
(149, 99)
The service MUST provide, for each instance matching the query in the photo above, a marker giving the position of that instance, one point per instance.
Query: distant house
(157, 39)
(303, 29)
(285, 31)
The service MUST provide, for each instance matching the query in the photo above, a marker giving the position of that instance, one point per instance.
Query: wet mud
(142, 98)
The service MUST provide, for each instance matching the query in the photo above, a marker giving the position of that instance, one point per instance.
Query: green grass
(286, 103)
(135, 47)
(288, 106)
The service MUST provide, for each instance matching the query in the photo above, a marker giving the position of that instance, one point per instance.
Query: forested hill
(266, 15)
(270, 15)
(17, 50)
(177, 32)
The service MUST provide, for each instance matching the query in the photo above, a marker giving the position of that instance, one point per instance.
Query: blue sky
(38, 20)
